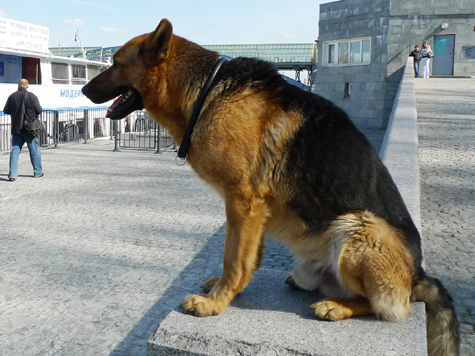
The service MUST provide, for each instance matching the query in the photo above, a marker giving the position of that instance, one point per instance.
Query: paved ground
(98, 251)
(90, 250)
(446, 126)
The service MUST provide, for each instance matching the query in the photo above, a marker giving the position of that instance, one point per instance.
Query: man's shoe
(42, 175)
(11, 179)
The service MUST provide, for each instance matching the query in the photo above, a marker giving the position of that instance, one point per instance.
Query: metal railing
(61, 126)
(137, 130)
(5, 130)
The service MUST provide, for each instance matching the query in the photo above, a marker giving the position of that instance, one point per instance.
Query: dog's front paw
(331, 310)
(200, 305)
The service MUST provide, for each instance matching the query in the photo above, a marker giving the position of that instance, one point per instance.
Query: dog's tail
(443, 337)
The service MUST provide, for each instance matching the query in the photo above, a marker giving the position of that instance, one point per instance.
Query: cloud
(3, 14)
(77, 22)
(114, 30)
(112, 9)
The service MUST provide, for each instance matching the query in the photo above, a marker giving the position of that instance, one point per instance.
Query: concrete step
(270, 318)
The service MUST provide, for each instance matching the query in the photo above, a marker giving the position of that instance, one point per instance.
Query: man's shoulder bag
(31, 126)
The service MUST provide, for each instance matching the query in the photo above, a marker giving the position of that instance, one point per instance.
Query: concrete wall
(394, 26)
(400, 148)
(368, 105)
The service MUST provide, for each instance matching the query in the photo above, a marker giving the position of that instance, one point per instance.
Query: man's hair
(23, 83)
(417, 46)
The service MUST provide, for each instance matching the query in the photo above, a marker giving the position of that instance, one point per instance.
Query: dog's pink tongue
(114, 105)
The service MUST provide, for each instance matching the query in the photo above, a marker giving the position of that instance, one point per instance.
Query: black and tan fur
(291, 164)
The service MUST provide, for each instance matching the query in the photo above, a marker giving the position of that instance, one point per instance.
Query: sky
(206, 22)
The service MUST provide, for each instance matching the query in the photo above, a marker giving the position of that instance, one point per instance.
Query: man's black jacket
(417, 55)
(14, 108)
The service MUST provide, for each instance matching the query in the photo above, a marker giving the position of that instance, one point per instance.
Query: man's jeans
(416, 69)
(35, 154)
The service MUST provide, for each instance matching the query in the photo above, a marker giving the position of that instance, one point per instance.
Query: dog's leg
(242, 255)
(374, 264)
(209, 284)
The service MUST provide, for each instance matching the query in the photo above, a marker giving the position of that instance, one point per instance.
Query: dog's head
(127, 77)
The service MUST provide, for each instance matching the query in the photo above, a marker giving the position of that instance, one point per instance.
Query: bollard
(159, 133)
(56, 128)
(116, 134)
(86, 124)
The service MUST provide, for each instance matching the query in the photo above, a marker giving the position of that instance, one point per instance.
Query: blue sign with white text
(71, 94)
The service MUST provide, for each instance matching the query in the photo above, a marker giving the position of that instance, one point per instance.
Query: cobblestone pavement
(97, 251)
(446, 126)
(95, 254)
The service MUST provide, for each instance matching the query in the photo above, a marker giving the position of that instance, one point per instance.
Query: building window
(355, 51)
(93, 71)
(366, 51)
(347, 91)
(79, 74)
(342, 52)
(331, 53)
(60, 73)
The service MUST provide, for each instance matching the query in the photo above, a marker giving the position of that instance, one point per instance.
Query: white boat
(55, 80)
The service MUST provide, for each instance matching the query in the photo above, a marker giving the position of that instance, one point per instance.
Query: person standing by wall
(426, 53)
(417, 59)
(19, 104)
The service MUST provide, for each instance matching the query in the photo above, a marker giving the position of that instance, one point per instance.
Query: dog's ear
(157, 45)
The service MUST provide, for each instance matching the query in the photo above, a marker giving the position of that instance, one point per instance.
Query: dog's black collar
(185, 142)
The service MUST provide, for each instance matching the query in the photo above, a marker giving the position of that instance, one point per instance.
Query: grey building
(363, 46)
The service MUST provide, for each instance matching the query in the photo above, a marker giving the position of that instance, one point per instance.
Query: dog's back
(328, 166)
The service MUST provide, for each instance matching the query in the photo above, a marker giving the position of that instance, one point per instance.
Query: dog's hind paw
(330, 310)
(342, 308)
(200, 305)
(209, 284)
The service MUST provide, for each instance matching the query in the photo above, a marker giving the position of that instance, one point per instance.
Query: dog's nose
(85, 90)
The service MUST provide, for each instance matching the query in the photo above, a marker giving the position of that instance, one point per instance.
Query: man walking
(20, 104)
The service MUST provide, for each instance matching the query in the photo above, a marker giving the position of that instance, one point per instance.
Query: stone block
(370, 86)
(375, 123)
(400, 149)
(269, 318)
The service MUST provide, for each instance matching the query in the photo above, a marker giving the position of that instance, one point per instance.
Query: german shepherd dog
(291, 164)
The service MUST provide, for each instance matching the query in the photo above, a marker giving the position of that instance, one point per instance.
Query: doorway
(443, 63)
